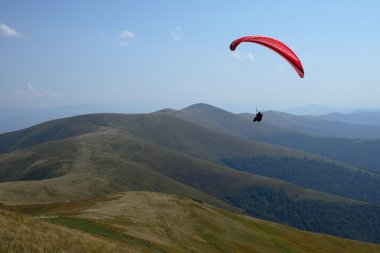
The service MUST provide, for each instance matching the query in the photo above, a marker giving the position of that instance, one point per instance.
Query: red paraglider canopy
(276, 46)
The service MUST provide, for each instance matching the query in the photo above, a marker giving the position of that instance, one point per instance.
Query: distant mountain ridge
(357, 118)
(359, 153)
(317, 110)
(319, 126)
(12, 119)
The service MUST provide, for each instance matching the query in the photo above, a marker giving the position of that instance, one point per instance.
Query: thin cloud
(8, 31)
(30, 87)
(126, 36)
(247, 57)
(176, 33)
(31, 92)
(236, 55)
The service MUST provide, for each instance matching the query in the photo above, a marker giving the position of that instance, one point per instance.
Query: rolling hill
(110, 161)
(157, 222)
(92, 155)
(212, 146)
(80, 167)
(358, 153)
(21, 233)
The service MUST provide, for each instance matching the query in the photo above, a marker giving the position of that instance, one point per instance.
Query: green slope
(294, 167)
(110, 161)
(323, 176)
(91, 168)
(160, 152)
(45, 132)
(20, 233)
(359, 153)
(362, 154)
(166, 223)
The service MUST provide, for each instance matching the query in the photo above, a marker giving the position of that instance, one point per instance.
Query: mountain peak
(167, 110)
(201, 106)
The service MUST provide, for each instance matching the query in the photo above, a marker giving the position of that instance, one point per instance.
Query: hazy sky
(176, 53)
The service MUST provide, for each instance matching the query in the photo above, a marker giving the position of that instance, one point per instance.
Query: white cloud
(30, 87)
(236, 55)
(126, 36)
(8, 31)
(247, 57)
(31, 92)
(176, 33)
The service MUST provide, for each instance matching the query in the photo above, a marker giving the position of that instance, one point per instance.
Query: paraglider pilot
(258, 117)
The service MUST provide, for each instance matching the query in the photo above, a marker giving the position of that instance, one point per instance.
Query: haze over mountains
(320, 110)
(272, 170)
(12, 119)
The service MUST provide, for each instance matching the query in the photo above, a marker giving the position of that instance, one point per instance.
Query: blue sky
(176, 53)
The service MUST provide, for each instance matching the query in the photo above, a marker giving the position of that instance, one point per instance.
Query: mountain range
(362, 153)
(200, 152)
(13, 118)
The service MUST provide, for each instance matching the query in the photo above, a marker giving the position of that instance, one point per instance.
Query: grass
(157, 222)
(20, 233)
(102, 230)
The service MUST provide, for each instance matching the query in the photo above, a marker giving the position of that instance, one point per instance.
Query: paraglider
(279, 48)
(276, 46)
(258, 117)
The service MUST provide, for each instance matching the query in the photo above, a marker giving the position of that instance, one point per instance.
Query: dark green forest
(359, 222)
(358, 153)
(314, 174)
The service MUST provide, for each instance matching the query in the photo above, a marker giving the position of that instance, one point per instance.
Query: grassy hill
(275, 123)
(362, 154)
(298, 168)
(80, 167)
(163, 153)
(21, 233)
(108, 161)
(156, 222)
(164, 131)
(359, 153)
(218, 119)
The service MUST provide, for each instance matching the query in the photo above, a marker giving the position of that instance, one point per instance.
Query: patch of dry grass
(21, 233)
